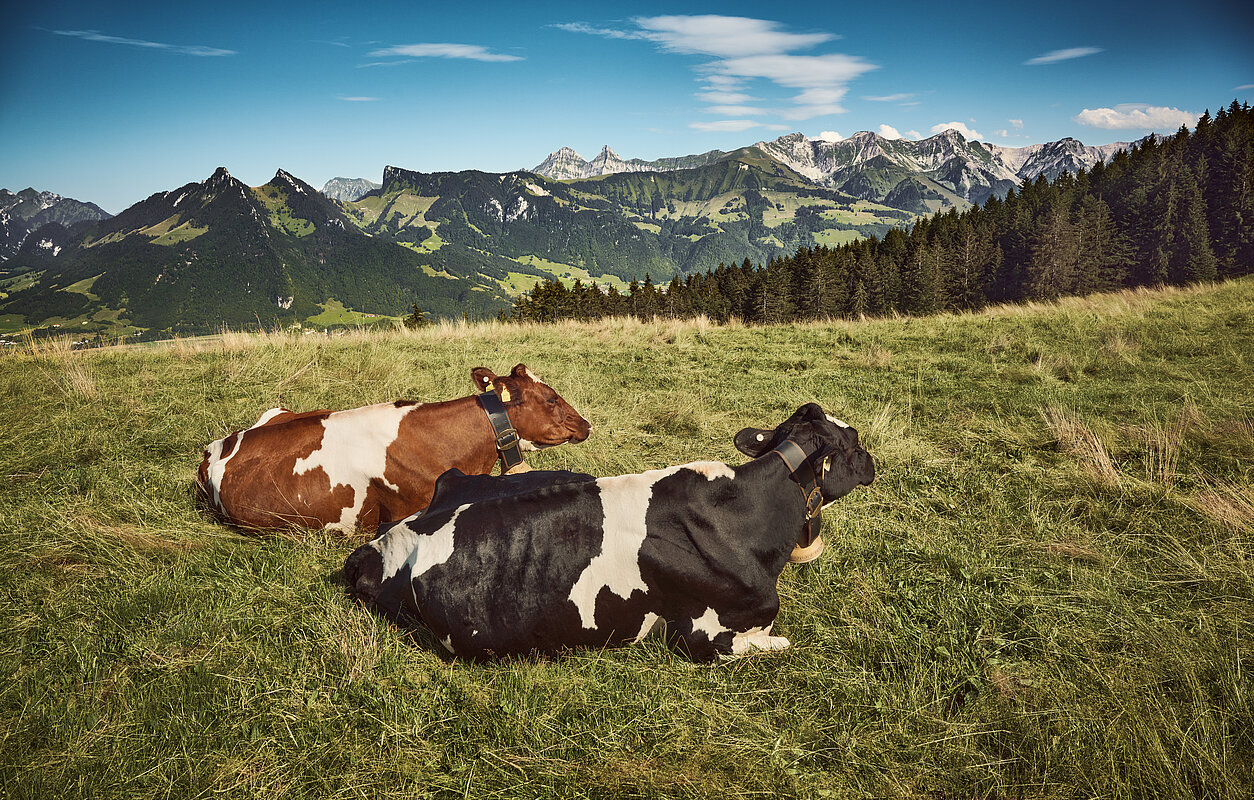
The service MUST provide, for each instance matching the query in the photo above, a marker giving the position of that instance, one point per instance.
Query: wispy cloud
(608, 33)
(890, 98)
(736, 111)
(966, 132)
(719, 96)
(1243, 87)
(178, 49)
(733, 126)
(744, 50)
(725, 37)
(1054, 56)
(357, 99)
(1136, 116)
(472, 52)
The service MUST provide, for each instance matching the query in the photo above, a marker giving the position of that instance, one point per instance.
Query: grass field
(1048, 592)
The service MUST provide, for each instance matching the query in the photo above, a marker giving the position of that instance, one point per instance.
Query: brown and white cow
(375, 464)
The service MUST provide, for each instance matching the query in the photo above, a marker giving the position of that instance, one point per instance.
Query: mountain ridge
(218, 251)
(970, 170)
(23, 212)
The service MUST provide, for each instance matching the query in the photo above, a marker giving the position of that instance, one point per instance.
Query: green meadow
(1047, 592)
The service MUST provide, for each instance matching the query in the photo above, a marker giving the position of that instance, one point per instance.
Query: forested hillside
(1168, 212)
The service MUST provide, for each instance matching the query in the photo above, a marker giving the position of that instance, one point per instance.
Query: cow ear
(754, 442)
(520, 371)
(508, 389)
(482, 377)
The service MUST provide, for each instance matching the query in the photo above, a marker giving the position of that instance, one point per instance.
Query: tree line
(1171, 210)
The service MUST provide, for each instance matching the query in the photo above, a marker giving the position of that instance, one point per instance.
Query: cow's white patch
(835, 421)
(647, 626)
(708, 624)
(447, 641)
(421, 552)
(712, 469)
(354, 452)
(397, 549)
(218, 459)
(757, 639)
(625, 501)
(434, 548)
(267, 416)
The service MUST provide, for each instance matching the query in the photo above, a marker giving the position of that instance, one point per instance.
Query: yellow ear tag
(504, 395)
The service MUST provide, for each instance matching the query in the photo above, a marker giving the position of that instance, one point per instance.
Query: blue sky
(111, 102)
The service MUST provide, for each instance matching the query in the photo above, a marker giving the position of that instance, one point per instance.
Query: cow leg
(756, 639)
(708, 636)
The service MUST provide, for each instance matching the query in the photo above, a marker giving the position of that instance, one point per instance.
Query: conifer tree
(1054, 257)
(1191, 258)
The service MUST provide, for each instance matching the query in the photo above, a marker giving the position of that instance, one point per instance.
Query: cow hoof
(801, 555)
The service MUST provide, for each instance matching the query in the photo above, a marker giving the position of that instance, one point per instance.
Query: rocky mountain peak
(348, 190)
(219, 176)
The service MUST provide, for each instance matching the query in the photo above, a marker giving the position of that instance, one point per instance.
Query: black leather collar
(803, 473)
(506, 437)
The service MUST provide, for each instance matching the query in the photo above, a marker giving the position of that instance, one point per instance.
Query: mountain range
(29, 210)
(870, 167)
(219, 252)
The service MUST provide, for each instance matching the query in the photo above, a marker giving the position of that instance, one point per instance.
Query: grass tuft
(1078, 440)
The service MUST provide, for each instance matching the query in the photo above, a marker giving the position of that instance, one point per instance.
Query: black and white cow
(545, 561)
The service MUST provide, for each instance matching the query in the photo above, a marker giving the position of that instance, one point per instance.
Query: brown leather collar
(808, 481)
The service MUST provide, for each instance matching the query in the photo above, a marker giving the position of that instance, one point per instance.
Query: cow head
(538, 413)
(831, 448)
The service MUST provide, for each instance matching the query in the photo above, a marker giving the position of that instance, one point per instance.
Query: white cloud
(724, 37)
(889, 132)
(183, 50)
(966, 132)
(1054, 56)
(821, 79)
(724, 82)
(890, 98)
(1243, 87)
(473, 52)
(1136, 116)
(735, 111)
(1002, 134)
(745, 50)
(716, 96)
(609, 33)
(733, 126)
(830, 136)
(914, 134)
(1017, 123)
(357, 99)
